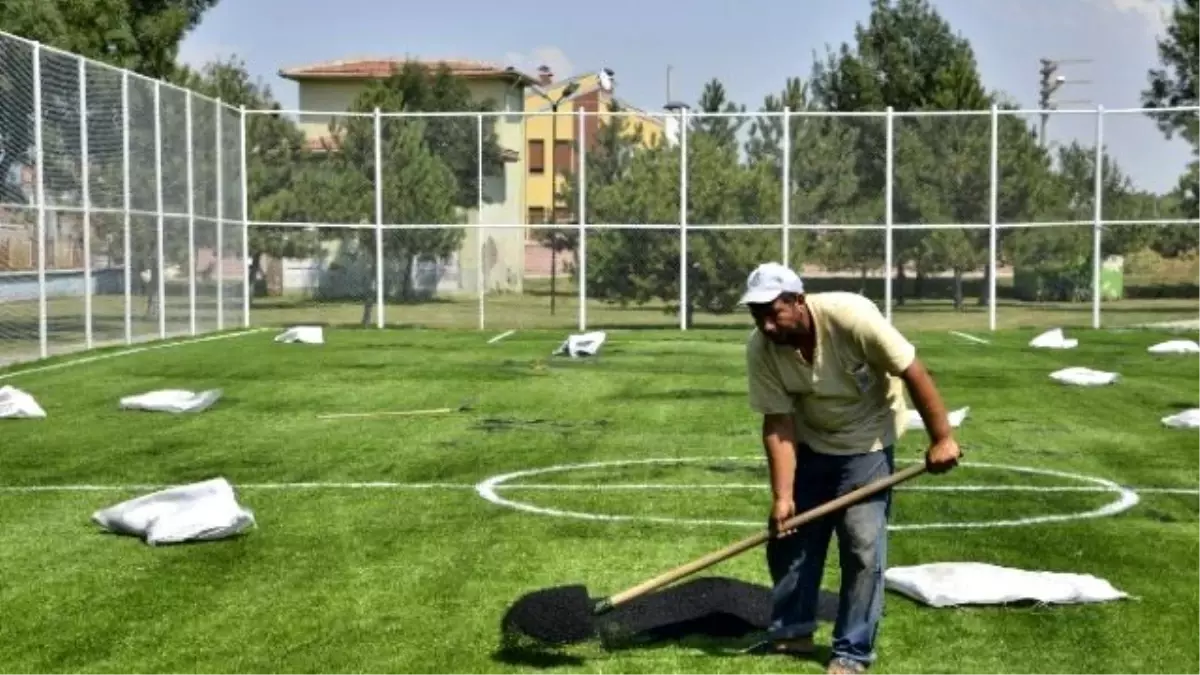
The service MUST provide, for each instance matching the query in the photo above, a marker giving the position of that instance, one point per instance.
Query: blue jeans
(797, 561)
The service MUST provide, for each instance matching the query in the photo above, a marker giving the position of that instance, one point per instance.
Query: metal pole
(379, 278)
(581, 247)
(1097, 216)
(554, 204)
(888, 190)
(683, 219)
(480, 249)
(245, 224)
(993, 216)
(127, 201)
(85, 189)
(191, 215)
(158, 200)
(786, 216)
(40, 187)
(220, 219)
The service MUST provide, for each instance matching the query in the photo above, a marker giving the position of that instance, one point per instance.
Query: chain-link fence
(132, 209)
(120, 206)
(968, 220)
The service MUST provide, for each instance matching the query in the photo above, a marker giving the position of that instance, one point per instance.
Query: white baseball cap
(768, 281)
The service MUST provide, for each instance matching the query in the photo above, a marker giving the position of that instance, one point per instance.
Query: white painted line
(488, 489)
(666, 487)
(372, 485)
(1166, 491)
(972, 338)
(501, 336)
(127, 352)
(578, 487)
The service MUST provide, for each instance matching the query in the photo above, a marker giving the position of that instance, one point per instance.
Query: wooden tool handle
(760, 538)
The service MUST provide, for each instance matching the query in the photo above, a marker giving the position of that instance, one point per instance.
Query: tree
(426, 162)
(624, 267)
(907, 57)
(139, 35)
(1173, 84)
(607, 158)
(279, 171)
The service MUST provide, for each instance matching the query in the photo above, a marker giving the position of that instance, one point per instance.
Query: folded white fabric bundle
(203, 511)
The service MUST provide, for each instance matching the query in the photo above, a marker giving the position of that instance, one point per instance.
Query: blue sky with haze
(750, 45)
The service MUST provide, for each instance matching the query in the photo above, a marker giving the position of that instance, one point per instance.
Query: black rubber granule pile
(552, 616)
(711, 607)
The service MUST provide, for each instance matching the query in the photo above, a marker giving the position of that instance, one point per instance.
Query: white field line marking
(972, 338)
(127, 352)
(577, 487)
(1126, 498)
(501, 336)
(605, 487)
(371, 485)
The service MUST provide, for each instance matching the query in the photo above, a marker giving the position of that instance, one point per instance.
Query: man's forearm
(927, 401)
(779, 442)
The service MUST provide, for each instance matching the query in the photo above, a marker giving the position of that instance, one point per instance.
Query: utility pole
(1050, 82)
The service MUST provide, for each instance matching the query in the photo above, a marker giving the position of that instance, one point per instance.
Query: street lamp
(555, 243)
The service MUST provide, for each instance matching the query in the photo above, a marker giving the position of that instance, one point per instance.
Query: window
(537, 156)
(537, 215)
(564, 157)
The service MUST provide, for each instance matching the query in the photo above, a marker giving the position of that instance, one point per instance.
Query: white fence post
(219, 159)
(245, 224)
(993, 216)
(786, 215)
(160, 263)
(581, 247)
(379, 261)
(127, 201)
(40, 188)
(888, 190)
(683, 219)
(190, 156)
(1097, 216)
(480, 250)
(85, 191)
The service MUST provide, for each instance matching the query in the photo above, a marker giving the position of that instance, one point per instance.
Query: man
(828, 373)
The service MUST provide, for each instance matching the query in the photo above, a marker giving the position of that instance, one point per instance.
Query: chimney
(545, 77)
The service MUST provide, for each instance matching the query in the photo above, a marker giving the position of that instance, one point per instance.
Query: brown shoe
(841, 666)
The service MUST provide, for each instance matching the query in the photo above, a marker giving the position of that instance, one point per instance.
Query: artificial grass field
(415, 577)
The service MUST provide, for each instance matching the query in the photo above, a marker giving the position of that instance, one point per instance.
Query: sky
(752, 46)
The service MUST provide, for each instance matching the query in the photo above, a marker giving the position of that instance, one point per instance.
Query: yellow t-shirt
(850, 399)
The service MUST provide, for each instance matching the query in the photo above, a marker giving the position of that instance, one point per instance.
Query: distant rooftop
(370, 68)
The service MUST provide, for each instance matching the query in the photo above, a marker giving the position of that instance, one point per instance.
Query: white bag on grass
(16, 404)
(956, 418)
(203, 511)
(1175, 347)
(586, 344)
(313, 335)
(967, 583)
(172, 401)
(1084, 377)
(1053, 339)
(1188, 419)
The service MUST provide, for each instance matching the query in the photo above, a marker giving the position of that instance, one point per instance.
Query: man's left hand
(942, 455)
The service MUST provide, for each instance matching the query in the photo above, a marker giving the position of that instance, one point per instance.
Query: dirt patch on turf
(496, 424)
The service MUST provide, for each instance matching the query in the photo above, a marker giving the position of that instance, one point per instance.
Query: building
(552, 148)
(330, 87)
(551, 144)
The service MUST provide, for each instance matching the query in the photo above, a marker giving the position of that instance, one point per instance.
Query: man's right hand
(781, 510)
